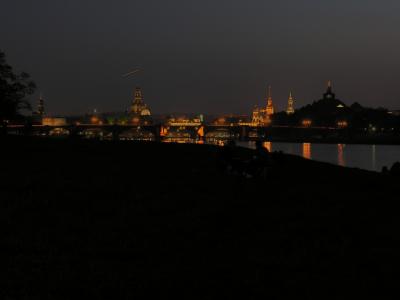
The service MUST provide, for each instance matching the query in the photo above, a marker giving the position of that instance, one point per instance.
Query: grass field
(125, 220)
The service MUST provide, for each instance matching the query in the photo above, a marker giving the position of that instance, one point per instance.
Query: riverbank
(118, 220)
(339, 140)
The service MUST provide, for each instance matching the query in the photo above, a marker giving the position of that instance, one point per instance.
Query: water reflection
(369, 157)
(268, 146)
(341, 160)
(307, 150)
(373, 157)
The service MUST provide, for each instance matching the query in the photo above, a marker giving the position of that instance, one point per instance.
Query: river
(368, 157)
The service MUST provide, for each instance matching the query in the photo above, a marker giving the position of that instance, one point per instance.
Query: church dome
(145, 112)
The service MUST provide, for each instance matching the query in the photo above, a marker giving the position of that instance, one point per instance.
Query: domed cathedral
(139, 111)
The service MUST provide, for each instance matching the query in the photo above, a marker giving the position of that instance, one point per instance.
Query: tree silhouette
(14, 88)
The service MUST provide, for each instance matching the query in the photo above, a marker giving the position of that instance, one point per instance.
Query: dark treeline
(331, 112)
(14, 89)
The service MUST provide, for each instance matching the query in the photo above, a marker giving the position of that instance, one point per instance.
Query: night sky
(204, 56)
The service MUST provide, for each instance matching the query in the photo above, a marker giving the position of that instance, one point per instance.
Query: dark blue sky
(204, 56)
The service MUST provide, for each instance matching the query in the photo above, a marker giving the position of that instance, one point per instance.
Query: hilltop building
(329, 94)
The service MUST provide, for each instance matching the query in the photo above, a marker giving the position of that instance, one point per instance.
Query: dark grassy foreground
(109, 220)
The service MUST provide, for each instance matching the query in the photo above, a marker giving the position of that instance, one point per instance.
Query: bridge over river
(158, 132)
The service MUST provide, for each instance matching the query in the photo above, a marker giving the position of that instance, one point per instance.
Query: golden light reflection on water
(307, 150)
(268, 146)
(341, 159)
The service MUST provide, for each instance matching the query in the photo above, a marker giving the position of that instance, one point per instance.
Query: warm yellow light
(307, 150)
(94, 120)
(268, 146)
(221, 121)
(306, 122)
(163, 131)
(135, 120)
(200, 132)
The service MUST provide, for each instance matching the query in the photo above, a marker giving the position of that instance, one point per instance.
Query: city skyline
(268, 103)
(203, 56)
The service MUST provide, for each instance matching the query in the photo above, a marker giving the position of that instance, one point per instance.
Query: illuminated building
(329, 94)
(306, 122)
(182, 122)
(95, 120)
(290, 107)
(261, 116)
(139, 112)
(257, 118)
(40, 108)
(50, 121)
(342, 124)
(231, 120)
(270, 106)
(138, 107)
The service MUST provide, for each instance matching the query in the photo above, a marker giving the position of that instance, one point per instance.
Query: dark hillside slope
(113, 220)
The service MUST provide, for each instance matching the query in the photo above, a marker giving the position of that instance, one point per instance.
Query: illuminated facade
(48, 121)
(184, 122)
(258, 116)
(306, 123)
(270, 106)
(261, 116)
(290, 107)
(40, 108)
(138, 107)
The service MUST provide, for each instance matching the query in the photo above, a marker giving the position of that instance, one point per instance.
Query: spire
(329, 89)
(329, 94)
(290, 107)
(40, 107)
(270, 106)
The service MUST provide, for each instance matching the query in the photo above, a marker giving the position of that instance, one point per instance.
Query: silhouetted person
(385, 170)
(395, 169)
(225, 157)
(260, 162)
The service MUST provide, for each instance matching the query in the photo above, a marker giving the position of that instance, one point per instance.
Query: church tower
(290, 107)
(137, 103)
(270, 106)
(40, 107)
(329, 94)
